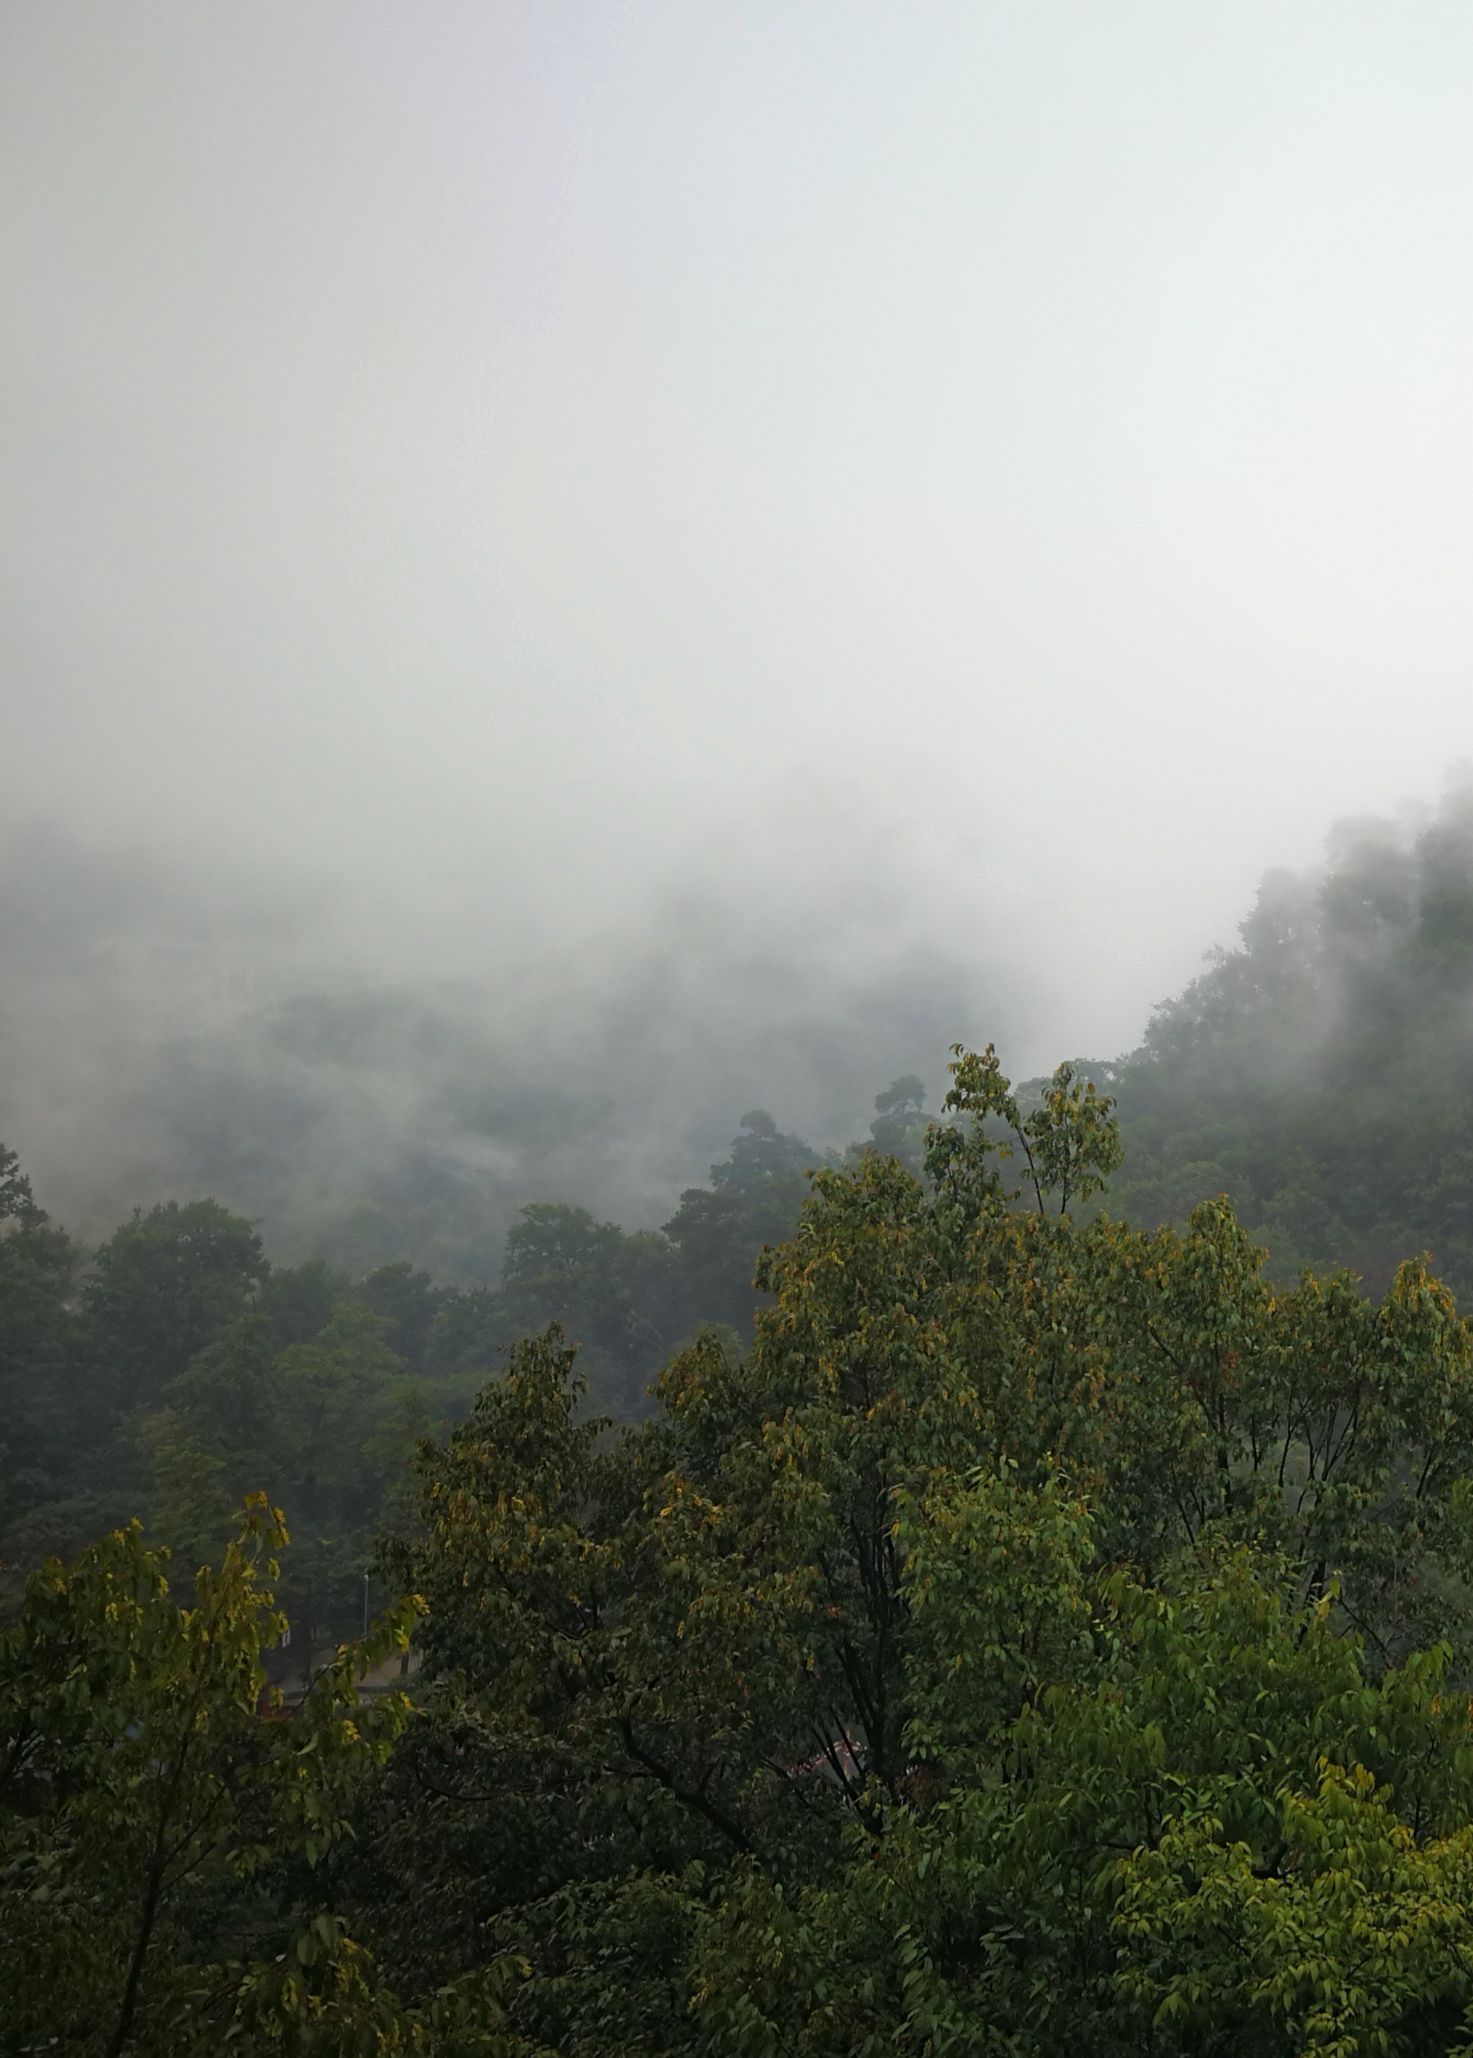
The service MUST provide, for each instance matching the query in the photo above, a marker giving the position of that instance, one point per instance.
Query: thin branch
(689, 1797)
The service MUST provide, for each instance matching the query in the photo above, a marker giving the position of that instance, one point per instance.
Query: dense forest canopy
(1042, 1631)
(970, 1590)
(1318, 1073)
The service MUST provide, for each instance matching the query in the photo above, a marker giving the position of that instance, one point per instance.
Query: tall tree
(162, 1287)
(754, 1199)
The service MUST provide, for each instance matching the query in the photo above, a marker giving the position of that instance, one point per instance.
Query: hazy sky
(1017, 458)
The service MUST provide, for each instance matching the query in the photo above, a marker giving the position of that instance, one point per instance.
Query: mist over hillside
(1321, 1071)
(167, 1033)
(170, 1035)
(656, 560)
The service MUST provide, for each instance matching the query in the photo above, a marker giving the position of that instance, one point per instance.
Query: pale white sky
(530, 459)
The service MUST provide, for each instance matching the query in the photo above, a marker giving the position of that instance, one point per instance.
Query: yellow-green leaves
(1069, 1141)
(144, 1779)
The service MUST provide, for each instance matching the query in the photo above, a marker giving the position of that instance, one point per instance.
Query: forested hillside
(1044, 1634)
(1007, 1619)
(174, 1368)
(1322, 1071)
(1321, 1074)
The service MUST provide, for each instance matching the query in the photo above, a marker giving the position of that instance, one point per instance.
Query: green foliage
(905, 1686)
(754, 1200)
(160, 1289)
(298, 1300)
(406, 1300)
(612, 1291)
(155, 1822)
(1067, 1140)
(901, 1123)
(1319, 1071)
(1029, 1628)
(37, 1349)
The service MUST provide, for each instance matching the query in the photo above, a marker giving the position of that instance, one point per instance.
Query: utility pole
(365, 1604)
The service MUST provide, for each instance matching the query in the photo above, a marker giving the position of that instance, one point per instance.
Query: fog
(619, 561)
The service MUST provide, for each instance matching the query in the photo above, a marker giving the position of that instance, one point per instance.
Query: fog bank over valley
(567, 572)
(168, 1034)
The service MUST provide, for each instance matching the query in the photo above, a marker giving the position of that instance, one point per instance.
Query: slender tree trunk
(126, 2013)
(157, 1866)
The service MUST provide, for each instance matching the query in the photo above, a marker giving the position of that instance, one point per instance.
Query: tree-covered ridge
(1020, 1616)
(1046, 1633)
(1321, 1071)
(174, 1368)
(1318, 1073)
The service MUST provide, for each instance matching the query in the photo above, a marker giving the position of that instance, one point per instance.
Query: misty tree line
(372, 1112)
(1319, 1073)
(1322, 1072)
(173, 1368)
(1044, 1633)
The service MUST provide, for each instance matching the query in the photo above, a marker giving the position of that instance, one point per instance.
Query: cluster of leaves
(162, 1825)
